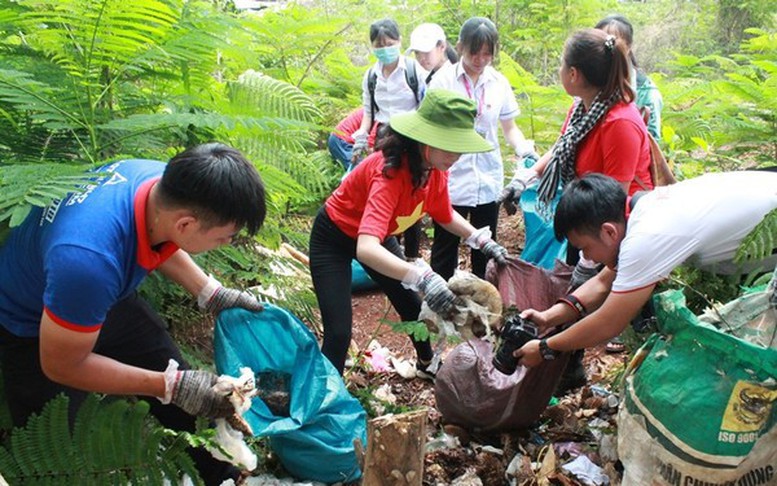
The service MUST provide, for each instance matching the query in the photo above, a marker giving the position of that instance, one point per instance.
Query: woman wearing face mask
(431, 49)
(393, 94)
(476, 180)
(386, 193)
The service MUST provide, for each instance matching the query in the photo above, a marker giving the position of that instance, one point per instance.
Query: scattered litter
(571, 449)
(469, 478)
(378, 357)
(404, 368)
(444, 441)
(586, 471)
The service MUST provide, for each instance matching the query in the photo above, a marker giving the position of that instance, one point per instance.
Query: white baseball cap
(425, 37)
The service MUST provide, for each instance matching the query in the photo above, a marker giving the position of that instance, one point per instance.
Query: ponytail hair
(603, 60)
(619, 26)
(394, 145)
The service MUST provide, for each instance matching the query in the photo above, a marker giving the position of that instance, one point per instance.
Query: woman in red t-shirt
(604, 131)
(385, 194)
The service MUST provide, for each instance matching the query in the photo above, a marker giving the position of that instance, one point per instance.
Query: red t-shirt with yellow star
(369, 203)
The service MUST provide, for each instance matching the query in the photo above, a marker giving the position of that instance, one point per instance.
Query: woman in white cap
(476, 181)
(431, 48)
(386, 193)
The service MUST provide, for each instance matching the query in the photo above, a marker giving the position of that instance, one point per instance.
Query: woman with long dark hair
(385, 194)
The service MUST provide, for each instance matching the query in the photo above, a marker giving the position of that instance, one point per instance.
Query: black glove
(510, 196)
(193, 392)
(437, 295)
(492, 249)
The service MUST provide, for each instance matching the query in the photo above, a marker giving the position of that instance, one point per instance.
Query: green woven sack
(700, 405)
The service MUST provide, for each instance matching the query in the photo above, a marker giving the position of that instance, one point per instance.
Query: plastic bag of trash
(302, 404)
(470, 392)
(699, 409)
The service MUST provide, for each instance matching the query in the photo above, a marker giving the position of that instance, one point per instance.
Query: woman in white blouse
(475, 182)
(392, 78)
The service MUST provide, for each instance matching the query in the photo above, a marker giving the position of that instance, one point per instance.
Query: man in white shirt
(700, 221)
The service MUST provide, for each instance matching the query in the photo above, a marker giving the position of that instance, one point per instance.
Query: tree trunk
(395, 449)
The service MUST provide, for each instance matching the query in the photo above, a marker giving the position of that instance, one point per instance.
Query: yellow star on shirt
(404, 222)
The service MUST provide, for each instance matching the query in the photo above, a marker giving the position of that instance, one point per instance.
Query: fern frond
(27, 185)
(113, 442)
(761, 241)
(276, 98)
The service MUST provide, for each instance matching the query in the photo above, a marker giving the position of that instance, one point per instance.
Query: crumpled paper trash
(481, 310)
(586, 471)
(230, 431)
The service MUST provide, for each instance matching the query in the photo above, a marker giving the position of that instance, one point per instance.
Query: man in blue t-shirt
(70, 319)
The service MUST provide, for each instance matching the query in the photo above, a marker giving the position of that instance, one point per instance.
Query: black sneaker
(427, 371)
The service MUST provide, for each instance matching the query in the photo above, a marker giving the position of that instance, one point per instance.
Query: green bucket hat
(445, 120)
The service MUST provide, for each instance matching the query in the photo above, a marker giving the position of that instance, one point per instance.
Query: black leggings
(445, 247)
(133, 334)
(331, 252)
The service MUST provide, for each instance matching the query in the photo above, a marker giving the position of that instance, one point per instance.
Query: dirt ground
(483, 458)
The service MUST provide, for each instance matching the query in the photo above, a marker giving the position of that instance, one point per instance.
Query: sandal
(615, 346)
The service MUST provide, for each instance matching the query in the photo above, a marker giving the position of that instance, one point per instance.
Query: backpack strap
(372, 82)
(411, 77)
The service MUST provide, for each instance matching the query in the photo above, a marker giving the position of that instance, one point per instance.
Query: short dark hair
(476, 33)
(587, 203)
(218, 183)
(604, 65)
(384, 28)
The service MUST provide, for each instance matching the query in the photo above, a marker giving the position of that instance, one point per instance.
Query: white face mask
(387, 55)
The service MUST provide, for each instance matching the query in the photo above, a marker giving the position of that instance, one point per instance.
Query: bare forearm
(183, 270)
(97, 373)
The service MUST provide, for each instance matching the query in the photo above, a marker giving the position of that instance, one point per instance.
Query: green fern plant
(112, 442)
(761, 241)
(25, 186)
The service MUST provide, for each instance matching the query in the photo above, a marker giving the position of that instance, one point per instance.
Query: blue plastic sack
(360, 279)
(541, 248)
(315, 442)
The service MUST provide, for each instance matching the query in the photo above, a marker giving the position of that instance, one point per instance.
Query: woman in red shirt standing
(384, 195)
(604, 131)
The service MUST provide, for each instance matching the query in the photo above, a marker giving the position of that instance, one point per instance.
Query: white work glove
(214, 298)
(194, 392)
(525, 149)
(437, 295)
(511, 194)
(359, 145)
(481, 240)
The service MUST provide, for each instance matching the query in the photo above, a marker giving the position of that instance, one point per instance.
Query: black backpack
(410, 77)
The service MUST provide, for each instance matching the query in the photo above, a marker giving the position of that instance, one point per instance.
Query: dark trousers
(445, 247)
(412, 237)
(331, 252)
(134, 334)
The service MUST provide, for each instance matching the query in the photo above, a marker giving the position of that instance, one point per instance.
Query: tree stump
(395, 449)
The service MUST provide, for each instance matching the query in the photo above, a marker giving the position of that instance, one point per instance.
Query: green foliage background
(85, 82)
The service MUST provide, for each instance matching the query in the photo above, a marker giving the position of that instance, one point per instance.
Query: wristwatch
(547, 353)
